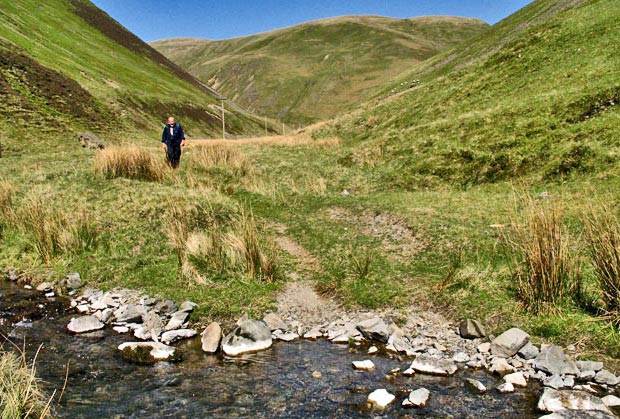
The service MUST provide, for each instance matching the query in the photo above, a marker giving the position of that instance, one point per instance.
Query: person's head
(171, 121)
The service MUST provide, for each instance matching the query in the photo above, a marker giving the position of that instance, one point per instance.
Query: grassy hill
(315, 70)
(66, 65)
(535, 96)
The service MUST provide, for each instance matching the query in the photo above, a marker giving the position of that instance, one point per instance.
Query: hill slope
(311, 71)
(537, 95)
(65, 64)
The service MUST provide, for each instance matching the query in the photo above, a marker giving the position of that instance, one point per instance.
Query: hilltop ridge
(310, 72)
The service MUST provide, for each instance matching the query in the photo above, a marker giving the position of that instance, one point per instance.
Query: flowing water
(277, 383)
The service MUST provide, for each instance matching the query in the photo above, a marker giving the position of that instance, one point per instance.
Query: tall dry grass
(220, 249)
(218, 156)
(547, 272)
(20, 393)
(299, 139)
(130, 162)
(7, 191)
(52, 231)
(603, 237)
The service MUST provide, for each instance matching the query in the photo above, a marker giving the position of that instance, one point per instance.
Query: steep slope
(536, 96)
(64, 64)
(311, 71)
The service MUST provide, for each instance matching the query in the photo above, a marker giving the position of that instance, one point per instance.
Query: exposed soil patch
(299, 301)
(398, 237)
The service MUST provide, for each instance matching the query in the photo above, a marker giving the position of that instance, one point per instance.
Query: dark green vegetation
(441, 177)
(67, 66)
(315, 70)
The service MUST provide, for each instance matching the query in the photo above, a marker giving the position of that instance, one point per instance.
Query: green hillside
(315, 70)
(67, 65)
(536, 96)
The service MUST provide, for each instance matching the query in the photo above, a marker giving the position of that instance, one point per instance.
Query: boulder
(275, 322)
(177, 320)
(187, 306)
(381, 398)
(130, 314)
(91, 141)
(84, 324)
(374, 329)
(589, 366)
(611, 401)
(366, 365)
(432, 366)
(516, 379)
(471, 329)
(555, 400)
(476, 385)
(552, 360)
(529, 351)
(605, 377)
(508, 343)
(156, 351)
(250, 336)
(211, 338)
(72, 281)
(417, 398)
(153, 325)
(172, 336)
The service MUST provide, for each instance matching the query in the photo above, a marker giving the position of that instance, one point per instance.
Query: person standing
(172, 139)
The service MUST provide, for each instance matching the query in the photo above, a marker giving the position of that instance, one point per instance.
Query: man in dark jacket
(172, 139)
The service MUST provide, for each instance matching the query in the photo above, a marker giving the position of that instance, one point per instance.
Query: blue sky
(158, 19)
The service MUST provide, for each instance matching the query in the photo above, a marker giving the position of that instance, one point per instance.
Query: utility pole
(222, 98)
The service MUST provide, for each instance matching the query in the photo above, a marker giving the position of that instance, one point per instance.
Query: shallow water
(277, 383)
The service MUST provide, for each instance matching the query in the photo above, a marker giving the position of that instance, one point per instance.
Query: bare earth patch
(398, 237)
(299, 301)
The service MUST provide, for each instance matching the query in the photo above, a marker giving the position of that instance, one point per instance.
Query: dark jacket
(177, 135)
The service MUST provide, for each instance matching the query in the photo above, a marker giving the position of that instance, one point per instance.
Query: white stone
(477, 385)
(611, 401)
(505, 388)
(501, 367)
(427, 365)
(461, 357)
(554, 400)
(121, 329)
(211, 338)
(287, 337)
(366, 365)
(417, 398)
(517, 379)
(84, 324)
(313, 334)
(172, 336)
(484, 348)
(381, 398)
(250, 336)
(177, 320)
(373, 350)
(510, 342)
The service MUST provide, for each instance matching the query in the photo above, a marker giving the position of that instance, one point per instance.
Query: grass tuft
(6, 202)
(20, 395)
(52, 231)
(603, 237)
(129, 162)
(547, 273)
(222, 157)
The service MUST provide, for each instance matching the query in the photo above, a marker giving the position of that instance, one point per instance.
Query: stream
(277, 383)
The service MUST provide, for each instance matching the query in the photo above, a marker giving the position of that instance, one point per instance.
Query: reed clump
(546, 270)
(130, 162)
(602, 234)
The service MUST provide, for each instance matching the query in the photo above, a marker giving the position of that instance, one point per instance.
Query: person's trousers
(173, 153)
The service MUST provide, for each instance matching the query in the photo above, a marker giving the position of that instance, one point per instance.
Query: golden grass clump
(51, 230)
(130, 162)
(20, 395)
(230, 159)
(220, 248)
(546, 271)
(6, 202)
(603, 238)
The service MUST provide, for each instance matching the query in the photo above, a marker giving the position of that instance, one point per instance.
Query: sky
(222, 19)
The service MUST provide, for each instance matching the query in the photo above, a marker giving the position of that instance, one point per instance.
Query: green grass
(447, 161)
(59, 73)
(312, 71)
